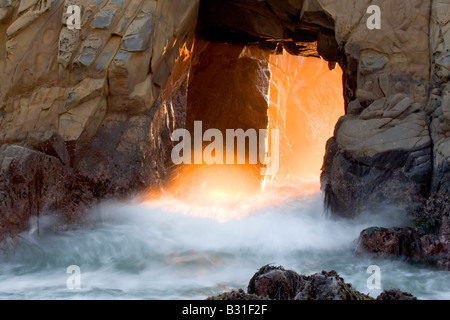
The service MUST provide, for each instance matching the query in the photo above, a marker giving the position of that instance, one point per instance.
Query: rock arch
(99, 104)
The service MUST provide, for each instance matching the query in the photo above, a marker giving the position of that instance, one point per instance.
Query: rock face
(237, 295)
(382, 155)
(229, 89)
(327, 286)
(276, 283)
(395, 294)
(382, 148)
(85, 114)
(30, 181)
(100, 103)
(426, 242)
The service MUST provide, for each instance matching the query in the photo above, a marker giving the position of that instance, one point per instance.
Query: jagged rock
(138, 36)
(393, 144)
(382, 154)
(427, 242)
(30, 182)
(90, 49)
(50, 143)
(237, 295)
(68, 42)
(372, 61)
(27, 18)
(327, 286)
(5, 9)
(391, 241)
(70, 93)
(395, 294)
(104, 18)
(280, 284)
(275, 283)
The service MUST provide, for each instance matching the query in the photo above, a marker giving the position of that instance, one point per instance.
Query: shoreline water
(144, 252)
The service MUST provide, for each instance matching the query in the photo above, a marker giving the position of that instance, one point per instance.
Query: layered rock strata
(86, 114)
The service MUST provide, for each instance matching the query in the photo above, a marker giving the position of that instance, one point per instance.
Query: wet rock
(274, 283)
(426, 241)
(395, 294)
(50, 143)
(277, 283)
(382, 155)
(237, 295)
(433, 225)
(327, 286)
(30, 182)
(385, 155)
(391, 241)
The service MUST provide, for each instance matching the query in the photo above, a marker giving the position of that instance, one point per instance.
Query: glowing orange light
(306, 100)
(184, 53)
(224, 192)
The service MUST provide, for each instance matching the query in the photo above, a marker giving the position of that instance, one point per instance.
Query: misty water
(162, 252)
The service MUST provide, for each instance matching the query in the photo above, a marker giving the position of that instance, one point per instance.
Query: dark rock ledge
(276, 283)
(426, 241)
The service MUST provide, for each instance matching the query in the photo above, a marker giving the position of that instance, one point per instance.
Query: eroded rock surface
(277, 283)
(102, 101)
(87, 112)
(426, 241)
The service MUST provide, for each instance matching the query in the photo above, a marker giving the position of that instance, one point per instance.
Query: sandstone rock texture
(95, 107)
(390, 147)
(382, 147)
(85, 114)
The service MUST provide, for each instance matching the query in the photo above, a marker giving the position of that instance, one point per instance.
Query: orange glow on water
(224, 192)
(306, 100)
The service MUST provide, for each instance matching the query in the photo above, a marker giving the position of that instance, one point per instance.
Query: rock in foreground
(395, 294)
(327, 286)
(277, 283)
